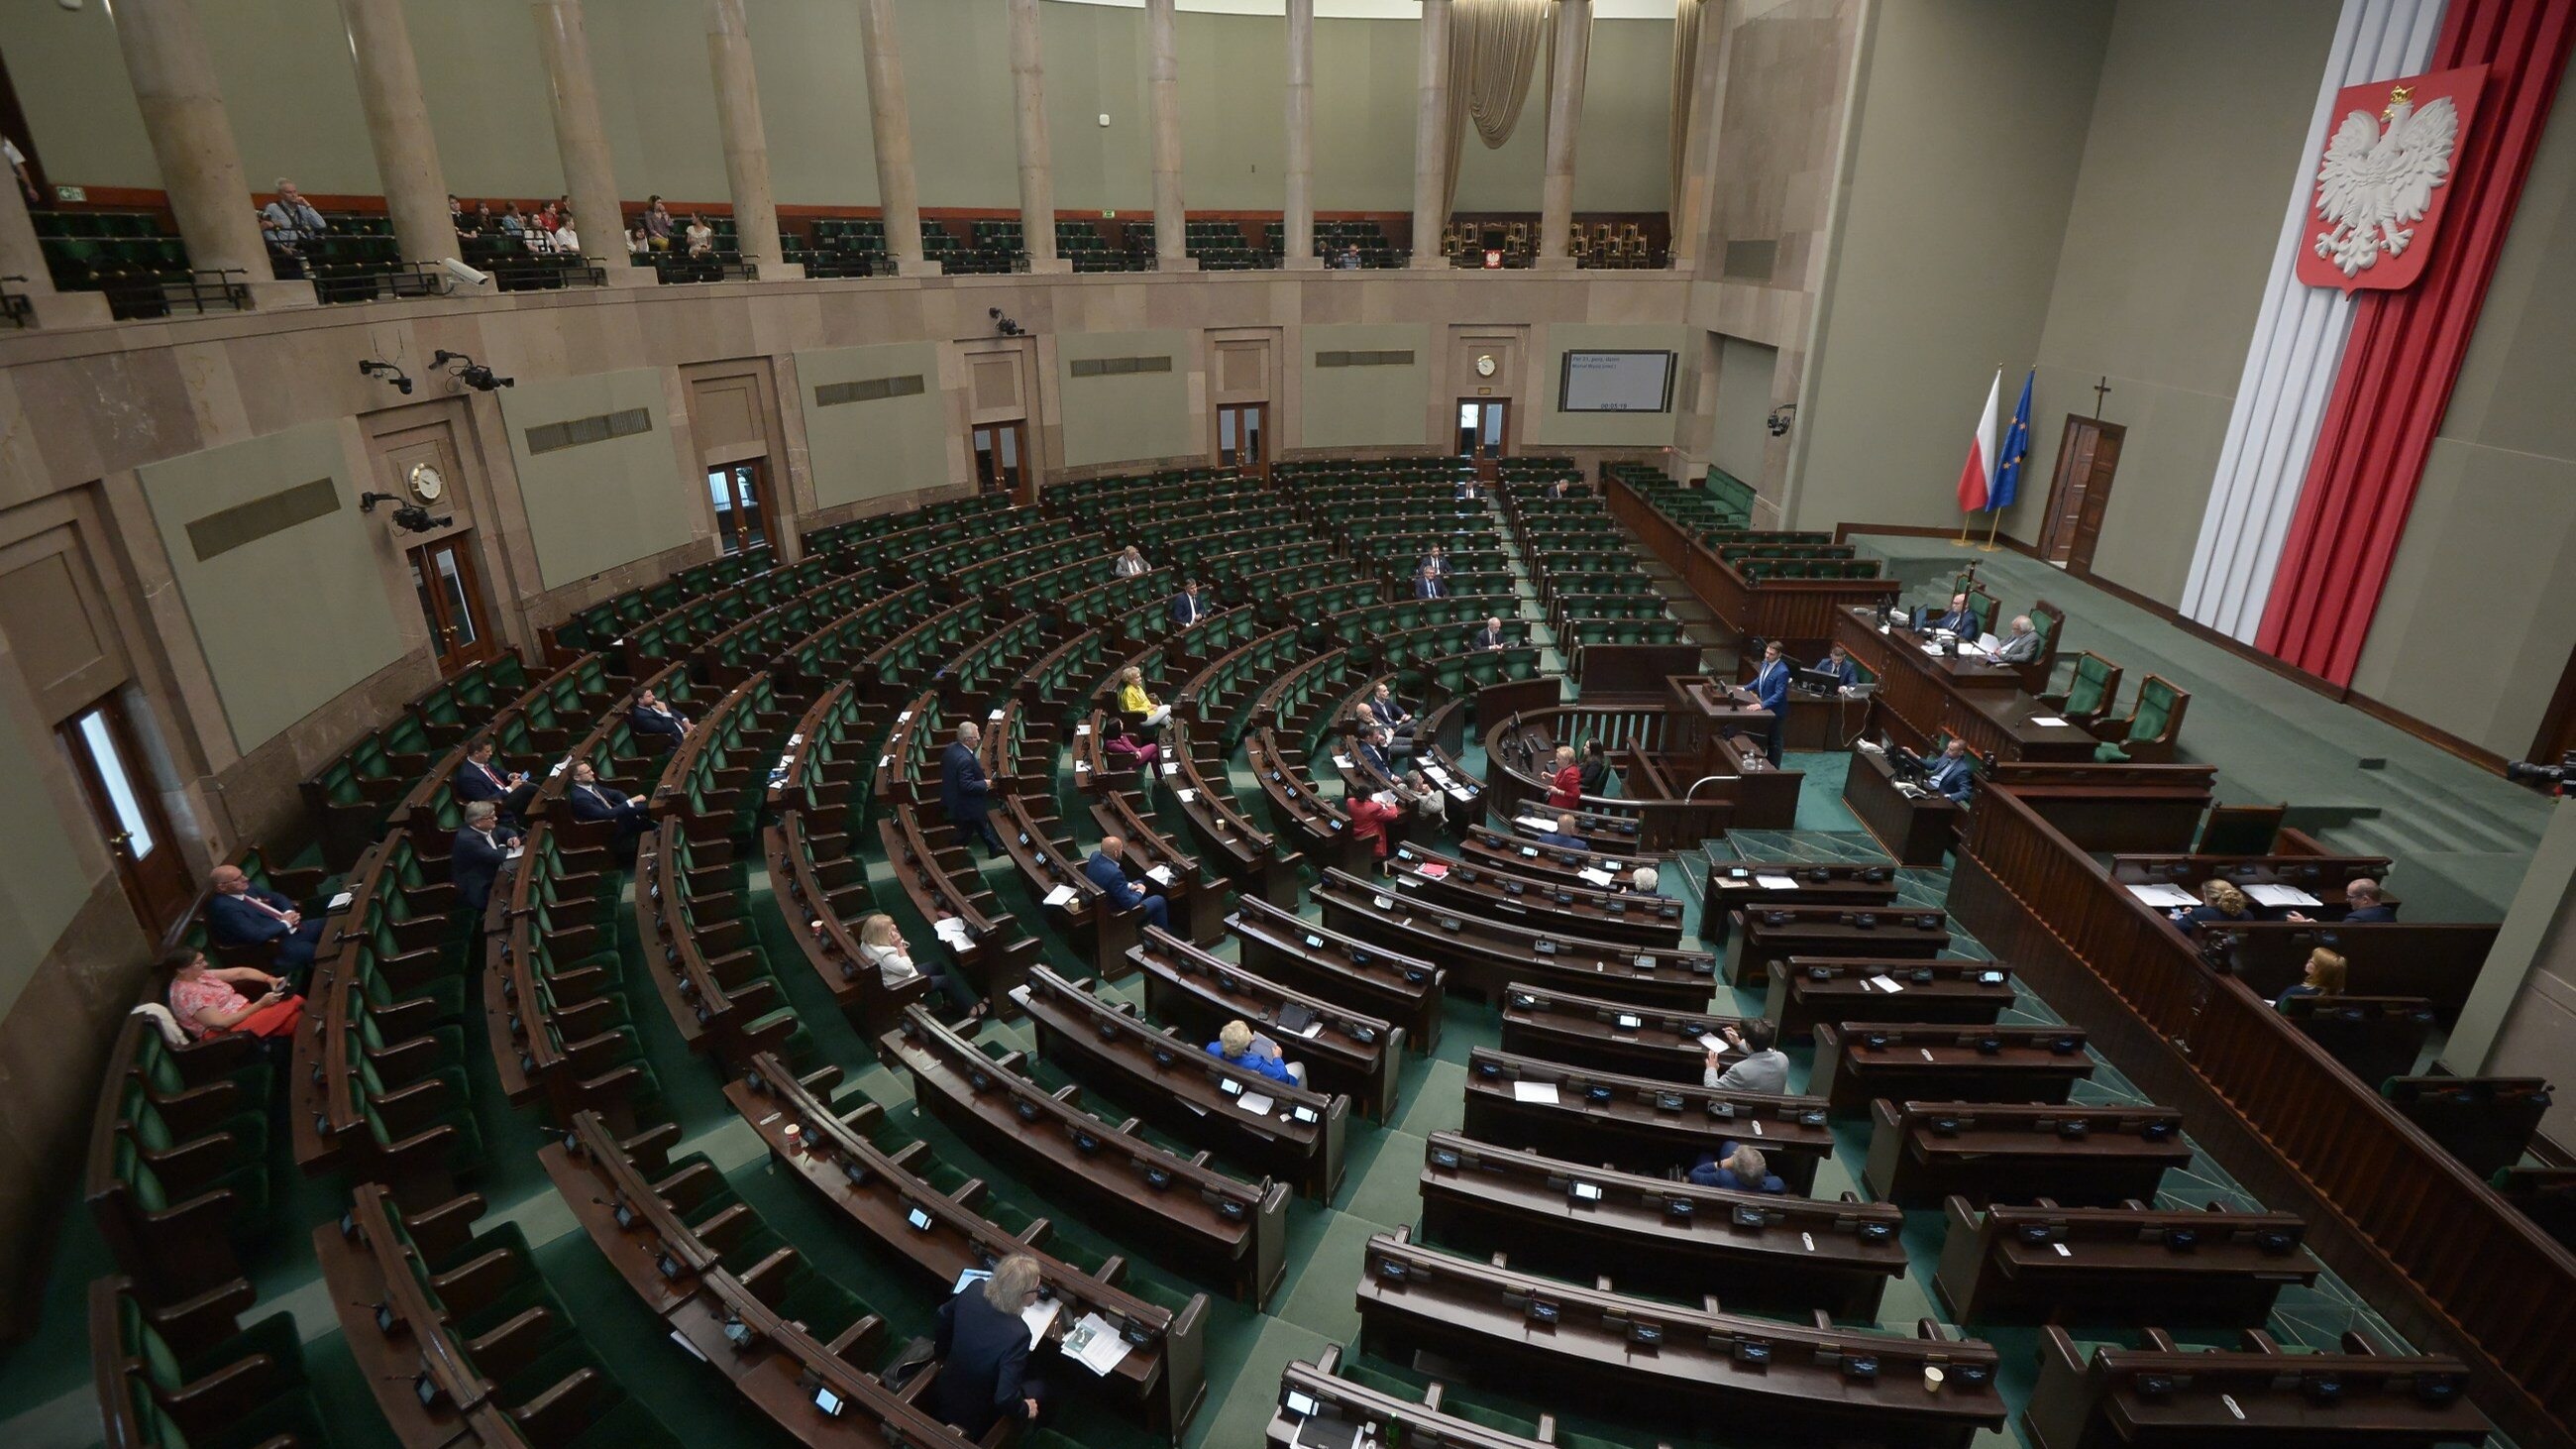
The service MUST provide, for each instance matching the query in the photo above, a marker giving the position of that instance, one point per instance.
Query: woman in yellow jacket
(1134, 700)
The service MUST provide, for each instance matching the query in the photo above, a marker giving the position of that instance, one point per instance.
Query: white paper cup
(1932, 1377)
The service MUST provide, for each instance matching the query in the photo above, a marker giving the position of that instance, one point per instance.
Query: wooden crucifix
(2101, 390)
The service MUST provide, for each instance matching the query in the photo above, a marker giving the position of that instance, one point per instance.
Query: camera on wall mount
(469, 372)
(410, 518)
(1004, 325)
(1778, 422)
(2547, 779)
(374, 367)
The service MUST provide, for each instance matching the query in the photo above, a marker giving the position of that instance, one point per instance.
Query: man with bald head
(1103, 870)
(241, 914)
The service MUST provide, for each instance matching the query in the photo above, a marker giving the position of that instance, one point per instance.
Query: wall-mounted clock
(1485, 364)
(426, 484)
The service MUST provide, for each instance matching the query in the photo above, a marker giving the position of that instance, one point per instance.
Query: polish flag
(1978, 472)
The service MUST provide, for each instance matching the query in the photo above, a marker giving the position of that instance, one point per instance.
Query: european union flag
(2016, 447)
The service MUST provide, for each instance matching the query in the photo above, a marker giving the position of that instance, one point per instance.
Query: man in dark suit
(652, 719)
(241, 914)
(2362, 894)
(1437, 561)
(1738, 1168)
(1187, 609)
(1376, 749)
(1102, 870)
(983, 1347)
(1841, 666)
(483, 846)
(591, 800)
(482, 777)
(1489, 637)
(966, 792)
(1427, 585)
(1392, 714)
(1961, 620)
(1563, 836)
(1953, 772)
(1771, 691)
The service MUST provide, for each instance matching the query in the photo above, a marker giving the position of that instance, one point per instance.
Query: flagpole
(1996, 522)
(1962, 540)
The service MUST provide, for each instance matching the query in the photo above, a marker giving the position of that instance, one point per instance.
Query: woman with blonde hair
(882, 946)
(1565, 786)
(983, 1347)
(2323, 977)
(2221, 902)
(1236, 1043)
(1132, 698)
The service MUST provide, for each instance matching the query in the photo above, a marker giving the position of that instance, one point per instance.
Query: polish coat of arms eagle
(2376, 181)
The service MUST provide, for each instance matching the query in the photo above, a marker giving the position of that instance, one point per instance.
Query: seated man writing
(2021, 648)
(1765, 1067)
(1737, 1168)
(1102, 869)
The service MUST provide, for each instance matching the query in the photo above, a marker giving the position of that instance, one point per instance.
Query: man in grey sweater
(1764, 1068)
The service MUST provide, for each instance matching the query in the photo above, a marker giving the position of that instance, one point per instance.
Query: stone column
(1300, 242)
(1037, 175)
(746, 141)
(398, 129)
(1431, 137)
(21, 255)
(898, 196)
(192, 140)
(1163, 92)
(1699, 156)
(1564, 115)
(563, 41)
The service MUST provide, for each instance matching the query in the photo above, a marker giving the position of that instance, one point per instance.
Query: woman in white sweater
(882, 946)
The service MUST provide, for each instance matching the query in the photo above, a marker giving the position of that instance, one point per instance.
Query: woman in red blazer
(1565, 790)
(1370, 816)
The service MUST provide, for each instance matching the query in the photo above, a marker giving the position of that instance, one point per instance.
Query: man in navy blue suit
(591, 800)
(1374, 747)
(1187, 608)
(242, 914)
(1563, 836)
(2362, 894)
(1961, 620)
(477, 856)
(1771, 691)
(652, 719)
(1427, 585)
(482, 777)
(966, 792)
(1737, 1167)
(1954, 771)
(1102, 870)
(1436, 561)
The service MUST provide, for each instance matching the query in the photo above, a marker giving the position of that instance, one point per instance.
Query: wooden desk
(2436, 960)
(1349, 1052)
(1584, 1342)
(1757, 939)
(1739, 886)
(1395, 1418)
(2002, 726)
(1918, 695)
(1580, 909)
(1639, 1125)
(1342, 969)
(1212, 1226)
(2008, 1153)
(1812, 990)
(2163, 1397)
(425, 1385)
(1486, 956)
(1748, 1248)
(1612, 1036)
(878, 1192)
(1916, 829)
(2126, 1264)
(1859, 1064)
(2372, 1037)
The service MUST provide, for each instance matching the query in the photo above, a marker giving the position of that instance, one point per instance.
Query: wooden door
(1001, 451)
(1484, 432)
(126, 806)
(741, 502)
(1240, 437)
(2088, 455)
(451, 598)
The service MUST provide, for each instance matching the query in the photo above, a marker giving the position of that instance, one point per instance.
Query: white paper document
(1060, 896)
(1187, 796)
(2050, 722)
(1776, 882)
(2281, 895)
(1080, 730)
(1093, 1344)
(339, 902)
(953, 931)
(1888, 984)
(1255, 1103)
(1597, 877)
(997, 715)
(1532, 822)
(1989, 643)
(1341, 762)
(2161, 894)
(1161, 874)
(1171, 768)
(1934, 650)
(1040, 1316)
(1541, 1092)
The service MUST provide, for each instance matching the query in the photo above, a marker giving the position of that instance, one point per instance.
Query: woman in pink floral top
(207, 1001)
